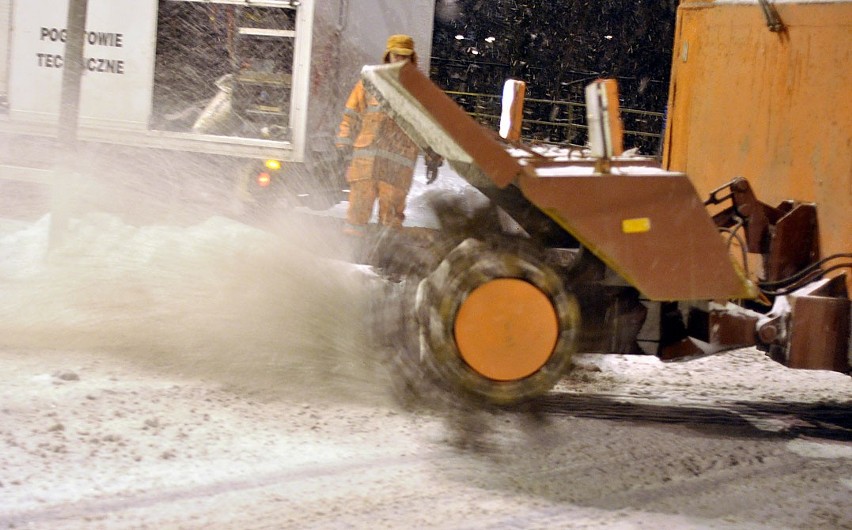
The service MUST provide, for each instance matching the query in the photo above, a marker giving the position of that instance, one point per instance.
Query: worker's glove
(344, 155)
(342, 159)
(433, 162)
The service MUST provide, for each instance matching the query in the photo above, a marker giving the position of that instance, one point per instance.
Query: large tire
(445, 295)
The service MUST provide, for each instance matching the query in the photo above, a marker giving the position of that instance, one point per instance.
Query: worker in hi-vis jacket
(382, 156)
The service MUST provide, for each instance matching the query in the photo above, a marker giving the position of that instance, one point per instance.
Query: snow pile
(218, 297)
(724, 378)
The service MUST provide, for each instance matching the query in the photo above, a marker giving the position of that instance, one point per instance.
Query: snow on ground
(722, 378)
(214, 376)
(99, 441)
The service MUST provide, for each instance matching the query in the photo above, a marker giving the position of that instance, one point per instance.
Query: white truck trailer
(196, 91)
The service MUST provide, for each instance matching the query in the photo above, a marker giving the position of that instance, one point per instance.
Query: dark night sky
(550, 43)
(556, 47)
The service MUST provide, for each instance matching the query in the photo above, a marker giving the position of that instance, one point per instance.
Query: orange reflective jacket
(381, 150)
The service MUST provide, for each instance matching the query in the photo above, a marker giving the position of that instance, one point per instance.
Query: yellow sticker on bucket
(636, 225)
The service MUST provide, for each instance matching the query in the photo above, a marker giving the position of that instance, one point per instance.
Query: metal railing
(559, 122)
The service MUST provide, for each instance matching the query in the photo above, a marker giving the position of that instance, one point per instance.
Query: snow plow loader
(600, 253)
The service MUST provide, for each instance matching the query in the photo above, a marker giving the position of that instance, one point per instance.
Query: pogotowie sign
(117, 69)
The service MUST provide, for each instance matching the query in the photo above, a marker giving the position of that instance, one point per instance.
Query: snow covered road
(101, 441)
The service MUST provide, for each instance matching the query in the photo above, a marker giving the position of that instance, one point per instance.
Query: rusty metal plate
(651, 229)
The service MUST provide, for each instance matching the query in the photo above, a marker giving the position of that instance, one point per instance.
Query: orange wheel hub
(506, 329)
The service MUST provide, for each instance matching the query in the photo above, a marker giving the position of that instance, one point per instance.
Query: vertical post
(69, 111)
(604, 122)
(512, 115)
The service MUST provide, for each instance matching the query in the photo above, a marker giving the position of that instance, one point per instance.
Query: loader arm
(647, 224)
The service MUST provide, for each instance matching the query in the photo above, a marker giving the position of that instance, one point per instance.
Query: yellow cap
(400, 45)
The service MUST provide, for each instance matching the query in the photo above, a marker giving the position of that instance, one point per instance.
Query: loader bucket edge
(678, 256)
(438, 122)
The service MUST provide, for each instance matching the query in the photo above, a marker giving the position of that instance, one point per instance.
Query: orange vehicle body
(770, 106)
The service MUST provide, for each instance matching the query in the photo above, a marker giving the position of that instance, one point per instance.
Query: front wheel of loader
(497, 323)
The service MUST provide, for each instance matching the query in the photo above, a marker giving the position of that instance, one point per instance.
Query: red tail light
(263, 179)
